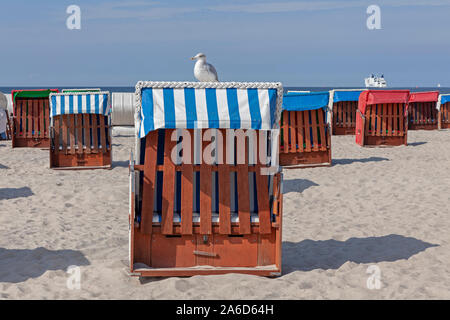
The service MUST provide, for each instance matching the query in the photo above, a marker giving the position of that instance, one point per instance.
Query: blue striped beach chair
(205, 187)
(305, 131)
(443, 107)
(80, 130)
(342, 110)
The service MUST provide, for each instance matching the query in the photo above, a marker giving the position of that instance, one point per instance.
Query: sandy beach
(387, 207)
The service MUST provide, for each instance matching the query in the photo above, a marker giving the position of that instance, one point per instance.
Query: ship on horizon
(375, 82)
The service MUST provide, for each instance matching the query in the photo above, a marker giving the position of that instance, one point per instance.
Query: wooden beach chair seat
(443, 107)
(80, 130)
(422, 110)
(305, 131)
(342, 110)
(212, 214)
(31, 118)
(381, 118)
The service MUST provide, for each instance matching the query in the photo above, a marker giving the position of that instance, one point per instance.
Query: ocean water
(132, 89)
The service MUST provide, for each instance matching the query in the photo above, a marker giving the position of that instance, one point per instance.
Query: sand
(387, 207)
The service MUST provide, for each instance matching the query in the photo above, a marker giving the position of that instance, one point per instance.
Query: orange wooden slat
(293, 130)
(300, 130)
(79, 121)
(64, 129)
(56, 133)
(224, 191)
(168, 196)
(102, 132)
(94, 119)
(401, 111)
(72, 133)
(307, 130)
(322, 124)
(42, 130)
(262, 195)
(87, 133)
(187, 184)
(285, 127)
(148, 188)
(314, 130)
(243, 191)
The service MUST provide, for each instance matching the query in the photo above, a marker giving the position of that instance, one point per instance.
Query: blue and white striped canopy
(190, 107)
(76, 103)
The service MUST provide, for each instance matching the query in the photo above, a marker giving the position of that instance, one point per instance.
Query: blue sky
(300, 43)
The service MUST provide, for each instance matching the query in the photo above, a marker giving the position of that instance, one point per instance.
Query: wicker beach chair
(305, 132)
(31, 118)
(190, 215)
(342, 110)
(381, 118)
(80, 130)
(422, 110)
(443, 107)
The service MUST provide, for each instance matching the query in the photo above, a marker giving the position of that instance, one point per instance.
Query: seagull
(203, 71)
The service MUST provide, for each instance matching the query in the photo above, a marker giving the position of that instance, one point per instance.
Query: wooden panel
(314, 130)
(102, 132)
(205, 194)
(168, 196)
(42, 130)
(307, 130)
(65, 129)
(56, 134)
(149, 182)
(94, 119)
(243, 191)
(79, 121)
(300, 130)
(87, 133)
(292, 131)
(187, 183)
(224, 191)
(285, 127)
(322, 124)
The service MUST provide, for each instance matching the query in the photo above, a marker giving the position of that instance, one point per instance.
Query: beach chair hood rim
(424, 96)
(369, 97)
(58, 94)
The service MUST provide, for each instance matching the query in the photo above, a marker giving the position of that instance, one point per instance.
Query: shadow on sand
(297, 185)
(18, 265)
(415, 144)
(363, 160)
(3, 167)
(123, 164)
(12, 193)
(308, 255)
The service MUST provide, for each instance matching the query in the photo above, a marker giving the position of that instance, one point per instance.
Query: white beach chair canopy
(194, 105)
(80, 103)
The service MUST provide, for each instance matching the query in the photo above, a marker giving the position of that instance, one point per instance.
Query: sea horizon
(442, 90)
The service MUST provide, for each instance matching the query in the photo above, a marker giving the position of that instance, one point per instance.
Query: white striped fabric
(80, 102)
(226, 107)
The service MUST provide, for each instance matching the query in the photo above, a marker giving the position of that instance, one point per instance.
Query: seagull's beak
(193, 58)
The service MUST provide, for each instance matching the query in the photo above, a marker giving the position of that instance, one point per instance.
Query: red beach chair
(422, 110)
(31, 118)
(381, 118)
(189, 216)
